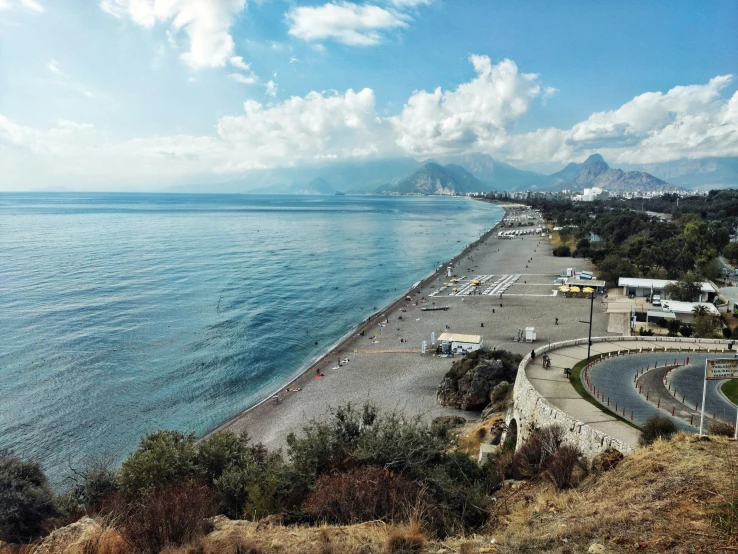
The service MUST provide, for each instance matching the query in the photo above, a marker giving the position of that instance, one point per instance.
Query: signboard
(726, 368)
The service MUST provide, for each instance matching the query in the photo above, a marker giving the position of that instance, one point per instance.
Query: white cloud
(410, 3)
(53, 66)
(345, 22)
(316, 126)
(237, 61)
(271, 88)
(693, 121)
(249, 79)
(29, 5)
(206, 22)
(478, 114)
(293, 59)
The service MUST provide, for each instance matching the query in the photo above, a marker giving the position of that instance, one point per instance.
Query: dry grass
(475, 432)
(659, 499)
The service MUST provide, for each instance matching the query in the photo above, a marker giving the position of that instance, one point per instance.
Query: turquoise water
(126, 313)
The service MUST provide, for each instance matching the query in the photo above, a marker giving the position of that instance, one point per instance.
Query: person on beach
(532, 354)
(557, 321)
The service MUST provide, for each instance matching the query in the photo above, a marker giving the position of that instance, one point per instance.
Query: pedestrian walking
(532, 354)
(557, 321)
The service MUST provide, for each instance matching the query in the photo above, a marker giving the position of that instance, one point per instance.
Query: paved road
(614, 378)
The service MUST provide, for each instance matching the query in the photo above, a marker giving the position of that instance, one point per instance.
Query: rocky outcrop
(472, 390)
(85, 535)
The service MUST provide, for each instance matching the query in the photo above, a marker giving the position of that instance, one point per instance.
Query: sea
(122, 314)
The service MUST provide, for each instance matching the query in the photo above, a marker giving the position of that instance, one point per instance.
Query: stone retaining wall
(531, 410)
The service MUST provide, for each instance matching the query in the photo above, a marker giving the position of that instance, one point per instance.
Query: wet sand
(389, 371)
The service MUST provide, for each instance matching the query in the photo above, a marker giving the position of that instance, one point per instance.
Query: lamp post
(591, 311)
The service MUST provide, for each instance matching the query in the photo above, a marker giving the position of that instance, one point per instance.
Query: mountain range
(476, 173)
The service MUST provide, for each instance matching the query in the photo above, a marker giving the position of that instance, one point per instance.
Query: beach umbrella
(588, 290)
(564, 288)
(575, 289)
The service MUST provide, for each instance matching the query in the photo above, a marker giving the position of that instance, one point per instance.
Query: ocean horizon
(127, 313)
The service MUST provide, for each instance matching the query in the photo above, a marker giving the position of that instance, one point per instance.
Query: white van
(656, 300)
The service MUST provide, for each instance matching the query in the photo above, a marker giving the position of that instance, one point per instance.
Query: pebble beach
(385, 367)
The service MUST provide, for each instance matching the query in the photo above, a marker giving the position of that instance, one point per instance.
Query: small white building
(649, 287)
(461, 344)
(684, 311)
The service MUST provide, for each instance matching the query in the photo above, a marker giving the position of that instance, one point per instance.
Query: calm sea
(121, 314)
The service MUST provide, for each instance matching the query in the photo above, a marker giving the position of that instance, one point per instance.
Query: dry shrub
(363, 494)
(561, 465)
(107, 541)
(408, 540)
(173, 515)
(722, 429)
(656, 427)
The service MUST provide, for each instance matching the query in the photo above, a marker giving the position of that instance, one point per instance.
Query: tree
(700, 310)
(731, 252)
(687, 289)
(26, 501)
(162, 458)
(704, 326)
(712, 269)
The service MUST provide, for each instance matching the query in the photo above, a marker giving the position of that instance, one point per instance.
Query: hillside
(433, 178)
(672, 497)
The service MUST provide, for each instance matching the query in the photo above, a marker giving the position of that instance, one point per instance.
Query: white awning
(665, 315)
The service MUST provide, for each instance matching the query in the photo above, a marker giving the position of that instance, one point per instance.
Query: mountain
(434, 178)
(497, 175)
(352, 177)
(704, 173)
(595, 172)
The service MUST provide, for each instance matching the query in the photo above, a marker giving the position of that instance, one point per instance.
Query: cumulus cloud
(237, 62)
(477, 114)
(206, 23)
(693, 121)
(480, 115)
(28, 5)
(319, 125)
(345, 22)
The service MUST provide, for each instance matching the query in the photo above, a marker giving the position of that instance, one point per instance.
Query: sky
(144, 94)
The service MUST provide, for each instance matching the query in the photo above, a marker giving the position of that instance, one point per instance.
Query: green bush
(562, 251)
(656, 427)
(26, 501)
(162, 458)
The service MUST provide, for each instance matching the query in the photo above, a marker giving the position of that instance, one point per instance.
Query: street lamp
(591, 311)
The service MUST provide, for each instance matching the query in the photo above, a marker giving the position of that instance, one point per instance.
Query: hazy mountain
(434, 178)
(497, 175)
(595, 172)
(707, 172)
(357, 177)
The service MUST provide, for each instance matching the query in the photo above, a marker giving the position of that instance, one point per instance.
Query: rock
(606, 460)
(472, 390)
(82, 536)
(443, 424)
(596, 548)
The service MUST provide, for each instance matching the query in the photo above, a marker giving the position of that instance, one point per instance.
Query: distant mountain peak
(594, 158)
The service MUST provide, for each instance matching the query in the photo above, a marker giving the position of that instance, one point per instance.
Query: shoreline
(339, 347)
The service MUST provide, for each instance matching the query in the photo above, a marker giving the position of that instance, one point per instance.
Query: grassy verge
(576, 381)
(730, 390)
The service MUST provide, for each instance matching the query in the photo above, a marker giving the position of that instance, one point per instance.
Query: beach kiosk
(460, 344)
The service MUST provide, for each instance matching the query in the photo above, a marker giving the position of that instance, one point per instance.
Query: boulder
(471, 391)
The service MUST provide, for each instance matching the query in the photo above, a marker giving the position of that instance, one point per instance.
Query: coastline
(341, 345)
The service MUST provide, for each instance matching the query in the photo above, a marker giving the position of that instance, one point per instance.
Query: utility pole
(591, 311)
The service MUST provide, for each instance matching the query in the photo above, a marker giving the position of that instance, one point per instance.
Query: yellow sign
(722, 369)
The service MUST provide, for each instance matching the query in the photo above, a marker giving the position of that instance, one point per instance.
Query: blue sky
(134, 92)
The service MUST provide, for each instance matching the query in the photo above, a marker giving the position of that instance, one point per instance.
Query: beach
(385, 367)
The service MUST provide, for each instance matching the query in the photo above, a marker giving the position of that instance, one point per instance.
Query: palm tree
(699, 310)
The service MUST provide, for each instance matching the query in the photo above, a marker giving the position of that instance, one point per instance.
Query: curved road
(614, 377)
